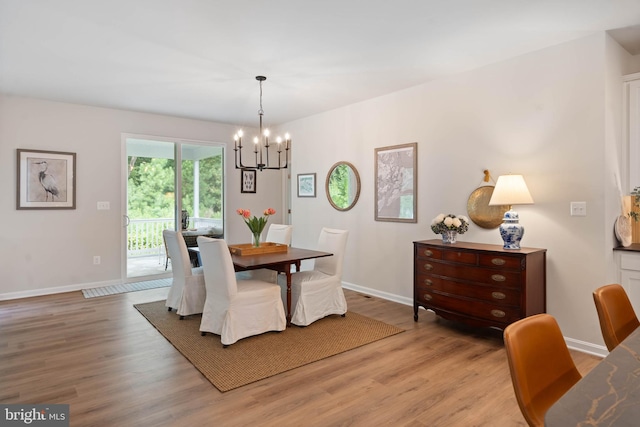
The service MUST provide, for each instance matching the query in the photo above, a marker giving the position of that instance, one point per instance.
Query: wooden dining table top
(609, 395)
(292, 255)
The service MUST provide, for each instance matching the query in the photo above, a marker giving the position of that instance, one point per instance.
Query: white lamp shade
(510, 190)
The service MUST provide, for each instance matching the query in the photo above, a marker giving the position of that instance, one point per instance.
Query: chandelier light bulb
(279, 140)
(266, 132)
(240, 134)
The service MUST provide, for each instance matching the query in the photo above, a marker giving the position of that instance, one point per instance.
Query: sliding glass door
(157, 170)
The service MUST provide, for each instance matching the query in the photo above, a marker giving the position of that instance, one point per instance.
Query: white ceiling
(199, 58)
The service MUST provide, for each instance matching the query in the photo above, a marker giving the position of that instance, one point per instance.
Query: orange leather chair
(542, 369)
(616, 314)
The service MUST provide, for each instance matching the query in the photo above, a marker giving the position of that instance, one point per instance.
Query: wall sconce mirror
(343, 186)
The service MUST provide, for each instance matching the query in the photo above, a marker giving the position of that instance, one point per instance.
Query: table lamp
(511, 190)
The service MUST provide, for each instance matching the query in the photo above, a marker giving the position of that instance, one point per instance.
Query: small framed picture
(306, 185)
(248, 184)
(46, 180)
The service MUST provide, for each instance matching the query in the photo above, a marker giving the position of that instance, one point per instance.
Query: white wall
(540, 114)
(44, 251)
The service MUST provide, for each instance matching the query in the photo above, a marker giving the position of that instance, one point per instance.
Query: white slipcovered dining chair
(277, 233)
(236, 309)
(318, 293)
(280, 233)
(187, 292)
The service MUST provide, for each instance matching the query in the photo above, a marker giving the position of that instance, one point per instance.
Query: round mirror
(343, 186)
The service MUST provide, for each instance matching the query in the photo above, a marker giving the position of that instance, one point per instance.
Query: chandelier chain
(261, 111)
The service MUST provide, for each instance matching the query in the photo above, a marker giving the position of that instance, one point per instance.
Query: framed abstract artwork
(46, 180)
(248, 184)
(306, 185)
(396, 180)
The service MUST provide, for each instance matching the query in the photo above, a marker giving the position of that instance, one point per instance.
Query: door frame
(178, 142)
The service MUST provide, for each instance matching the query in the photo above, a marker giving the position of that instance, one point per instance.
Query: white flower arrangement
(450, 222)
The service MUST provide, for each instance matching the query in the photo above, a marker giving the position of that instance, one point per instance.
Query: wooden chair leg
(169, 308)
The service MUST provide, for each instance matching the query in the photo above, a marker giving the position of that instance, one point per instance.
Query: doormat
(127, 287)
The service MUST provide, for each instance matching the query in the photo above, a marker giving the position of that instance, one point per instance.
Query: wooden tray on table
(264, 248)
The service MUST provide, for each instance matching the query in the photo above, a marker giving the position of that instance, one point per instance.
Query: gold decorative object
(478, 208)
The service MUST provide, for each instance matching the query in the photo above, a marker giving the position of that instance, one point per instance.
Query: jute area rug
(261, 356)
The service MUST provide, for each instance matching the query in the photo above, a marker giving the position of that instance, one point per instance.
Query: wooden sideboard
(478, 284)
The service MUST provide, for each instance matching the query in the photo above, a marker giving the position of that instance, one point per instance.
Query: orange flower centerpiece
(255, 224)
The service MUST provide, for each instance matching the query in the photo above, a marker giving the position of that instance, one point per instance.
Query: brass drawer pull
(428, 282)
(498, 295)
(498, 278)
(427, 297)
(498, 261)
(427, 252)
(428, 267)
(498, 313)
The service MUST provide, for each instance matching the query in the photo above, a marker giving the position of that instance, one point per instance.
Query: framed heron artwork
(46, 180)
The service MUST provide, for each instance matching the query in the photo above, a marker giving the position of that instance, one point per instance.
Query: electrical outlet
(578, 208)
(96, 260)
(103, 206)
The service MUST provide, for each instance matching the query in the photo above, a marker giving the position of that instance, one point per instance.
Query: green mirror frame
(343, 186)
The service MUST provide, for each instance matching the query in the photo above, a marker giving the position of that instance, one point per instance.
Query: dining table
(281, 262)
(608, 395)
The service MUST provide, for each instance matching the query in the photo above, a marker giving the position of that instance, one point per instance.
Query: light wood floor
(114, 369)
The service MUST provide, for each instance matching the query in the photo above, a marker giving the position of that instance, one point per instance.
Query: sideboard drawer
(479, 309)
(460, 257)
(493, 294)
(428, 253)
(505, 278)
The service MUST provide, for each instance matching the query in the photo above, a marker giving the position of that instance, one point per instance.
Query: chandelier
(261, 146)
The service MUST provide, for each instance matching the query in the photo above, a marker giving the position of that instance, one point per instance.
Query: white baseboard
(76, 287)
(58, 290)
(380, 294)
(586, 347)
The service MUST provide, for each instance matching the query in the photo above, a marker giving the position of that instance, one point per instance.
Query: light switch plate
(103, 206)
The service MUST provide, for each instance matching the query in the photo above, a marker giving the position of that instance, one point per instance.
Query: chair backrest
(541, 366)
(616, 314)
(280, 233)
(334, 241)
(219, 275)
(180, 262)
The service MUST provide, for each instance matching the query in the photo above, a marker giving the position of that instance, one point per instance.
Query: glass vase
(449, 236)
(256, 239)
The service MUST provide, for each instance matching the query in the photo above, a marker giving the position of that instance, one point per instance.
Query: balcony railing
(144, 236)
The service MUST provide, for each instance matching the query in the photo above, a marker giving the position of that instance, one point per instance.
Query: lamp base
(511, 230)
